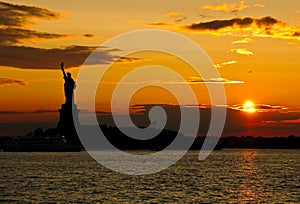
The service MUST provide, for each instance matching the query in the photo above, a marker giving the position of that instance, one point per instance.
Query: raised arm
(62, 69)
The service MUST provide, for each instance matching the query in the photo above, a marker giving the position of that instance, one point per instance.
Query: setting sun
(249, 107)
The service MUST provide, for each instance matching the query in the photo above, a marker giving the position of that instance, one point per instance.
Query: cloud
(258, 27)
(242, 51)
(205, 16)
(240, 23)
(174, 15)
(226, 7)
(14, 20)
(7, 81)
(191, 81)
(40, 58)
(19, 15)
(260, 107)
(10, 35)
(157, 24)
(225, 63)
(178, 16)
(248, 26)
(291, 121)
(229, 62)
(230, 8)
(216, 81)
(128, 60)
(88, 35)
(242, 41)
(296, 34)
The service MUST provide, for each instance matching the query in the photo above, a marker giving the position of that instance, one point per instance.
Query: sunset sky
(255, 46)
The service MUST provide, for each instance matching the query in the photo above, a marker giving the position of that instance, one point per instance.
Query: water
(230, 175)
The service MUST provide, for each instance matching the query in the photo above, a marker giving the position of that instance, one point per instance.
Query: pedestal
(67, 119)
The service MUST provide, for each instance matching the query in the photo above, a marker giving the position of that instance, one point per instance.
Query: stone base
(67, 119)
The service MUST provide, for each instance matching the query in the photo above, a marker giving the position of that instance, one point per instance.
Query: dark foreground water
(230, 175)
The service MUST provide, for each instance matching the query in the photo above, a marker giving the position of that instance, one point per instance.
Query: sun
(249, 107)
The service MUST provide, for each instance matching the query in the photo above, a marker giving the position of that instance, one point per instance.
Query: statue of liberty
(69, 85)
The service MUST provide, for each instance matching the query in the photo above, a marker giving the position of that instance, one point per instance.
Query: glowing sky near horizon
(253, 42)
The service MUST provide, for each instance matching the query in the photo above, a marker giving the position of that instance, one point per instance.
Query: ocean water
(227, 176)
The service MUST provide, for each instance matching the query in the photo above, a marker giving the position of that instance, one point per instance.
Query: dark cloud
(235, 22)
(39, 58)
(296, 34)
(259, 27)
(9, 35)
(267, 21)
(130, 59)
(19, 15)
(157, 24)
(14, 31)
(180, 19)
(205, 16)
(6, 81)
(88, 35)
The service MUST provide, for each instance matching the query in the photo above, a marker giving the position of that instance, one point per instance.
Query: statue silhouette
(69, 85)
(68, 116)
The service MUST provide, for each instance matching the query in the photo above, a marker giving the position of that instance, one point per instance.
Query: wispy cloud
(191, 81)
(7, 81)
(216, 81)
(174, 15)
(260, 107)
(242, 41)
(242, 51)
(177, 16)
(226, 7)
(158, 24)
(292, 121)
(128, 60)
(225, 63)
(10, 35)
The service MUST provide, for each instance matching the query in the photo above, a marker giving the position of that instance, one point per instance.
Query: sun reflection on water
(251, 186)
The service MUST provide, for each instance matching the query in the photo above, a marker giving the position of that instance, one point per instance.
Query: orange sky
(255, 43)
